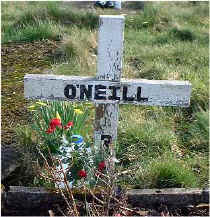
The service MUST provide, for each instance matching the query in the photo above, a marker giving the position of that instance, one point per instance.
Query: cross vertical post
(109, 68)
(107, 90)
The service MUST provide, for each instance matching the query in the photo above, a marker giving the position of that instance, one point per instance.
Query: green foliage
(200, 166)
(199, 132)
(71, 50)
(183, 35)
(31, 17)
(77, 55)
(25, 135)
(68, 16)
(43, 21)
(67, 111)
(195, 15)
(153, 16)
(83, 157)
(167, 172)
(146, 18)
(149, 139)
(200, 93)
(27, 146)
(27, 143)
(150, 72)
(174, 34)
(31, 33)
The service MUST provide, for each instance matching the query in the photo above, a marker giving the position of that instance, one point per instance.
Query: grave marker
(107, 90)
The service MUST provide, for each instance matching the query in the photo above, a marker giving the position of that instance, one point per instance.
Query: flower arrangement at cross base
(71, 162)
(59, 126)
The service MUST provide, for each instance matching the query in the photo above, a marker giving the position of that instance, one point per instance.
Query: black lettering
(85, 92)
(114, 93)
(125, 92)
(73, 91)
(139, 98)
(107, 140)
(99, 89)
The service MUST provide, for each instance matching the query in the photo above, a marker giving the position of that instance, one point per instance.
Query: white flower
(64, 140)
(91, 161)
(88, 150)
(115, 160)
(69, 149)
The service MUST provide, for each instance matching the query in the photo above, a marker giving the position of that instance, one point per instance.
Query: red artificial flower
(82, 174)
(101, 166)
(70, 124)
(55, 122)
(50, 130)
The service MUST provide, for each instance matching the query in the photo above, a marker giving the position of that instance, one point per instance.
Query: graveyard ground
(164, 147)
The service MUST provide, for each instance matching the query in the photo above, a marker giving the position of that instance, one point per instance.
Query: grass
(199, 132)
(166, 40)
(145, 139)
(40, 21)
(32, 32)
(168, 172)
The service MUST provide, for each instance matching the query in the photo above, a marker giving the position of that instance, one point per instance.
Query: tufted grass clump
(183, 35)
(31, 33)
(146, 18)
(44, 20)
(72, 18)
(168, 172)
(78, 55)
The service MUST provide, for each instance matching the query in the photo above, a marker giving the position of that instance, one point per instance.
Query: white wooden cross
(107, 90)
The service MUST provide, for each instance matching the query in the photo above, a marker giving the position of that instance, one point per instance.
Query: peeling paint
(137, 92)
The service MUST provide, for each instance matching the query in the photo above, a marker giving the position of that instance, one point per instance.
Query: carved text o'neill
(102, 92)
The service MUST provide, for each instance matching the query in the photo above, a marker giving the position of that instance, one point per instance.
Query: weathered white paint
(110, 47)
(158, 92)
(109, 67)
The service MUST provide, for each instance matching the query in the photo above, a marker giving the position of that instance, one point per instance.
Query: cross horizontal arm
(139, 92)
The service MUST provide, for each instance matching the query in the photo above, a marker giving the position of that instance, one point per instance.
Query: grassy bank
(166, 40)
